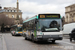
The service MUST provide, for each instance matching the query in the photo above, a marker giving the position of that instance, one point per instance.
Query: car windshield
(49, 25)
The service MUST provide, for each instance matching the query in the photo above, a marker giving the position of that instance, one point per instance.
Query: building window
(12, 16)
(72, 18)
(19, 10)
(19, 16)
(67, 18)
(14, 10)
(11, 10)
(8, 10)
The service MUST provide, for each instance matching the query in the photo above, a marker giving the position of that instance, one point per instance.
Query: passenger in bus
(53, 24)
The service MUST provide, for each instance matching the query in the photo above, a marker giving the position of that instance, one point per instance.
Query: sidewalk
(2, 43)
(1, 46)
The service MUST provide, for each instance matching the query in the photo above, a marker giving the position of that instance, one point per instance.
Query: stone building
(70, 14)
(12, 12)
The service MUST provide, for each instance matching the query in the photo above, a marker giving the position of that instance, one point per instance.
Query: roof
(70, 5)
(30, 19)
(10, 8)
(35, 17)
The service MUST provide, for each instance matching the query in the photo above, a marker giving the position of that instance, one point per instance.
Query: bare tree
(63, 20)
(26, 18)
(6, 20)
(21, 20)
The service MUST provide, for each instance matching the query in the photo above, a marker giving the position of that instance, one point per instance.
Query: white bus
(43, 27)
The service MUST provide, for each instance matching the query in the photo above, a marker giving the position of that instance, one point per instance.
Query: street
(1, 42)
(19, 43)
(37, 20)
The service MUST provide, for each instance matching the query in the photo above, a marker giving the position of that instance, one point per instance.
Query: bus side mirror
(62, 28)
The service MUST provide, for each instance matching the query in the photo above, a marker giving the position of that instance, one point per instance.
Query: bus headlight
(17, 32)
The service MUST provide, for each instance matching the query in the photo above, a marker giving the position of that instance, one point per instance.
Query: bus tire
(53, 41)
(70, 39)
(25, 38)
(12, 35)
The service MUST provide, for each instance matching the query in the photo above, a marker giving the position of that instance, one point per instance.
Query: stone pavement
(1, 45)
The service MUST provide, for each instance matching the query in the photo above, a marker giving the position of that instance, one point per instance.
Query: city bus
(43, 27)
(17, 29)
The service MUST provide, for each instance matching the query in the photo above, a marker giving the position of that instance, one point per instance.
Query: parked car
(72, 35)
(67, 28)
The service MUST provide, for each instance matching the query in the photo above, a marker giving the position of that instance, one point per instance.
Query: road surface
(19, 43)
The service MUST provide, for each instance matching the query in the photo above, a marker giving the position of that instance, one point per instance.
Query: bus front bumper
(19, 33)
(49, 37)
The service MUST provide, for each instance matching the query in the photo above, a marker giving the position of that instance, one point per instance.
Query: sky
(31, 8)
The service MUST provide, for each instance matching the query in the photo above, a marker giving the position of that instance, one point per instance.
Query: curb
(4, 44)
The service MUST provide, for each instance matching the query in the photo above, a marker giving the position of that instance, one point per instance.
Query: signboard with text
(49, 16)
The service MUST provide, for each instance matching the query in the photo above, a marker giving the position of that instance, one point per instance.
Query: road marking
(4, 44)
(66, 42)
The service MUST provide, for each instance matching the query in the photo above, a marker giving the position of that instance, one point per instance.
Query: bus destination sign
(49, 15)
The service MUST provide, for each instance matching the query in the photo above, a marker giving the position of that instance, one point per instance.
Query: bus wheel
(25, 38)
(12, 35)
(53, 41)
(70, 39)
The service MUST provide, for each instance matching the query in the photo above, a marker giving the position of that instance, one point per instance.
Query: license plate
(50, 39)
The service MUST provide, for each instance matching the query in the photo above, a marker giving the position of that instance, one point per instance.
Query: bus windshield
(19, 29)
(46, 25)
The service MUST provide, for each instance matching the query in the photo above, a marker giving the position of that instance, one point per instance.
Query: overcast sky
(34, 7)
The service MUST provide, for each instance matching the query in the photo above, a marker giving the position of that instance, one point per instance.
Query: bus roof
(16, 25)
(30, 19)
(44, 16)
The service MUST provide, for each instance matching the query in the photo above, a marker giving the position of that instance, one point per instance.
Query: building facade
(70, 14)
(12, 12)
